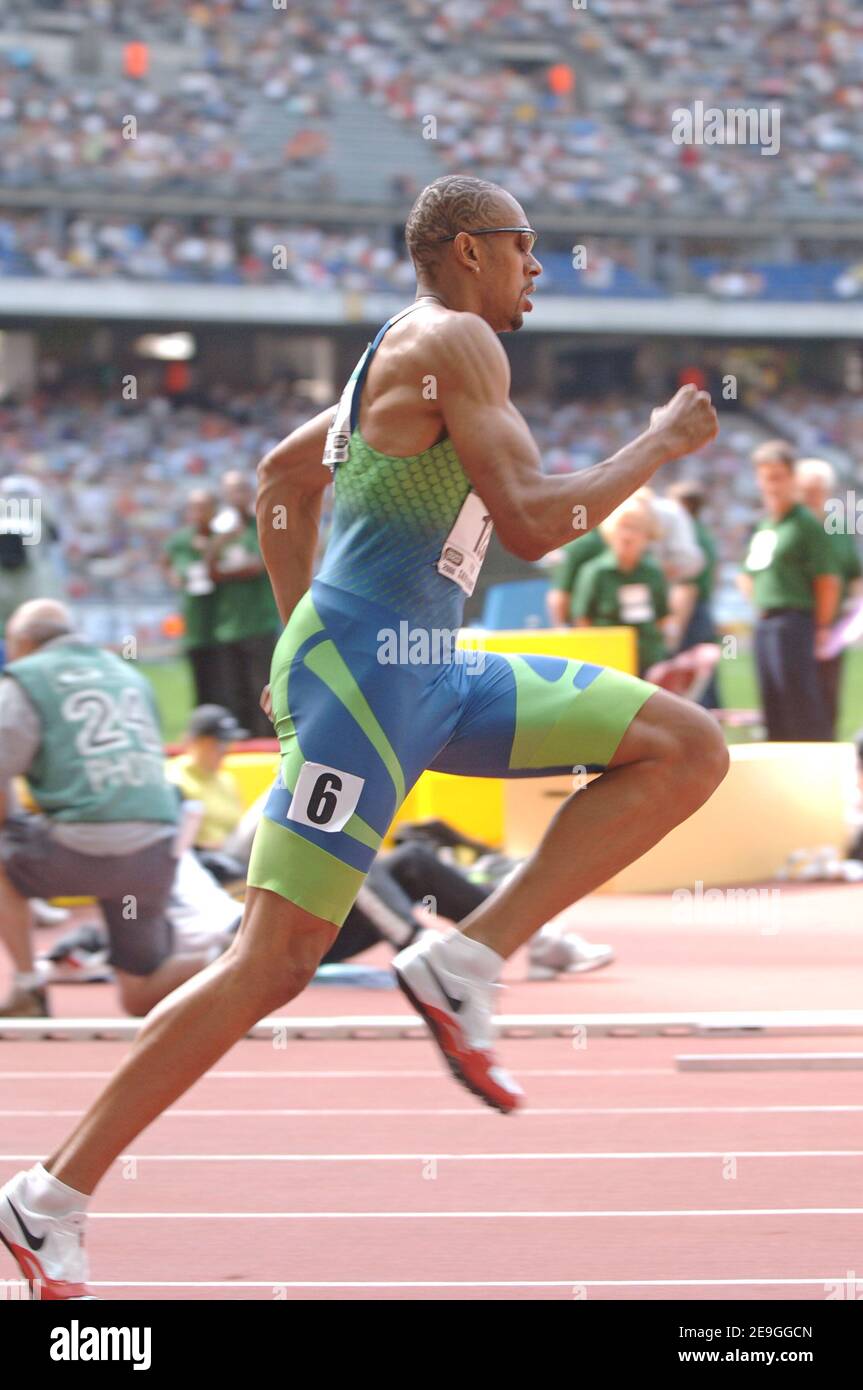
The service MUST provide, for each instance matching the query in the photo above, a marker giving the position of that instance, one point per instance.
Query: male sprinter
(427, 453)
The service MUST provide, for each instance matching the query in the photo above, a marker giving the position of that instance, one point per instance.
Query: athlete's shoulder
(467, 351)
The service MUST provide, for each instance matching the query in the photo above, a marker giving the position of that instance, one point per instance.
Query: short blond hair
(816, 471)
(635, 508)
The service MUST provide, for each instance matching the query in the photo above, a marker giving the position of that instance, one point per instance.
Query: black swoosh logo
(454, 1003)
(35, 1242)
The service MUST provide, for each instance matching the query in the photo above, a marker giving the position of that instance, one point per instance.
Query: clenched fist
(686, 423)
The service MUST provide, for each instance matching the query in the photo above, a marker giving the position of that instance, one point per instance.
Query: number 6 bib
(324, 797)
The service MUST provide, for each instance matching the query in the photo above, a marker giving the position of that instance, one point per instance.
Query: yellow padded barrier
(605, 646)
(777, 797)
(473, 805)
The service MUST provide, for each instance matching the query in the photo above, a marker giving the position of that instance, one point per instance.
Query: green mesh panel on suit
(390, 519)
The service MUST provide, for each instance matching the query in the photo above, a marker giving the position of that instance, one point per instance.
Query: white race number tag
(198, 581)
(464, 548)
(324, 797)
(636, 603)
(761, 549)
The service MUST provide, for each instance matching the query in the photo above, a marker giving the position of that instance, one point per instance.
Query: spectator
(199, 775)
(792, 576)
(674, 547)
(246, 615)
(680, 557)
(622, 586)
(817, 482)
(27, 533)
(80, 724)
(187, 563)
(700, 627)
(560, 595)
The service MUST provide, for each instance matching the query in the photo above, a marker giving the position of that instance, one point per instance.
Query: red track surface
(360, 1170)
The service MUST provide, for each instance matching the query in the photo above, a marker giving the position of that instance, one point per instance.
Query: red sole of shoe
(441, 1033)
(42, 1290)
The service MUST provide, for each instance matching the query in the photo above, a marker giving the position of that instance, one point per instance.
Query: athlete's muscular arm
(534, 514)
(291, 482)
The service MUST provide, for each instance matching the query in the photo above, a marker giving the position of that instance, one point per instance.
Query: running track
(357, 1169)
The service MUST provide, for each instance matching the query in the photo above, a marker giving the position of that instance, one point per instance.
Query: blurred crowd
(818, 422)
(93, 247)
(586, 123)
(226, 251)
(115, 476)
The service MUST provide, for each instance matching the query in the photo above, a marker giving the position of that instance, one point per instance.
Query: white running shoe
(549, 956)
(450, 982)
(49, 1249)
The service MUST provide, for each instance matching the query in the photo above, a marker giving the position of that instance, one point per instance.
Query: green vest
(100, 757)
(244, 607)
(707, 545)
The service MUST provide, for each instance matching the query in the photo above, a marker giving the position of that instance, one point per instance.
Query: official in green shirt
(623, 587)
(560, 597)
(817, 481)
(791, 574)
(187, 556)
(701, 626)
(247, 619)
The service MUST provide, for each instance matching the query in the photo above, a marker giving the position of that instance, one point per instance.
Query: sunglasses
(528, 235)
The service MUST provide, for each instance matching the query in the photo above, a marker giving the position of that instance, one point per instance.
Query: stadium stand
(511, 104)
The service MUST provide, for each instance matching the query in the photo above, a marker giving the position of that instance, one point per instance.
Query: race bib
(198, 581)
(761, 549)
(464, 548)
(636, 603)
(234, 557)
(324, 797)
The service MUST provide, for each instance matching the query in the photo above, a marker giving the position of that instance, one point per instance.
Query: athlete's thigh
(354, 732)
(532, 716)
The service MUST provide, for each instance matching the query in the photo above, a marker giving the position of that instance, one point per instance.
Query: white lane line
(437, 1073)
(312, 1112)
(553, 1157)
(465, 1215)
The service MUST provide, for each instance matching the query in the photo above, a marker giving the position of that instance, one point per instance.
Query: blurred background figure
(673, 546)
(81, 725)
(818, 483)
(623, 586)
(247, 620)
(691, 495)
(199, 774)
(187, 558)
(561, 594)
(792, 577)
(29, 561)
